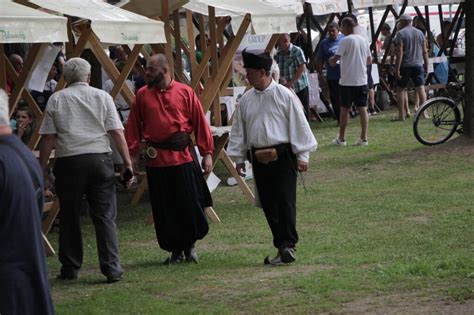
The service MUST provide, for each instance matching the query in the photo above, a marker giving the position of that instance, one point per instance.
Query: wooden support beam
(132, 58)
(166, 19)
(3, 70)
(212, 89)
(214, 64)
(240, 181)
(51, 215)
(48, 248)
(21, 79)
(179, 71)
(204, 63)
(192, 51)
(109, 67)
(81, 43)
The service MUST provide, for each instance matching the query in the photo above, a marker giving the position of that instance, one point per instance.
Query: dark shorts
(353, 95)
(416, 74)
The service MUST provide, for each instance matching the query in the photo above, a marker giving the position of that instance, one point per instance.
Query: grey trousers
(92, 175)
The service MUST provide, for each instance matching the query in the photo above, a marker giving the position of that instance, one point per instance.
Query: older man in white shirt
(77, 121)
(270, 127)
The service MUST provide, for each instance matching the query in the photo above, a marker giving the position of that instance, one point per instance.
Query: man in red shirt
(164, 114)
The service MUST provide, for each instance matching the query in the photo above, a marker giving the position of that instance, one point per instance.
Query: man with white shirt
(77, 121)
(354, 55)
(271, 128)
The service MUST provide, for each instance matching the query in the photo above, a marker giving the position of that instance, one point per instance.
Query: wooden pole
(166, 19)
(3, 70)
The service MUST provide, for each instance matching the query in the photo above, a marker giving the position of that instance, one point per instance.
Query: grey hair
(76, 70)
(4, 109)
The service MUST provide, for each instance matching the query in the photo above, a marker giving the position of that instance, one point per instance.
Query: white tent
(20, 24)
(266, 18)
(360, 4)
(432, 2)
(149, 8)
(110, 23)
(322, 7)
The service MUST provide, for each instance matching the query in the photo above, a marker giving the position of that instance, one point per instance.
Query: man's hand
(301, 166)
(48, 193)
(207, 163)
(135, 162)
(333, 61)
(127, 177)
(240, 168)
(397, 75)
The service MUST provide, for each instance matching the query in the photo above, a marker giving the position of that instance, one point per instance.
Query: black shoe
(191, 255)
(287, 255)
(63, 276)
(276, 261)
(175, 258)
(114, 279)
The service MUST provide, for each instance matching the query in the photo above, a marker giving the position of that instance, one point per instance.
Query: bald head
(16, 61)
(158, 73)
(159, 60)
(284, 42)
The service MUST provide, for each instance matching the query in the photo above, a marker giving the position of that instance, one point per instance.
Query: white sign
(321, 7)
(358, 4)
(254, 43)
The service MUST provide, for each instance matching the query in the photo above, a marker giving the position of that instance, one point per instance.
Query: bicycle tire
(444, 118)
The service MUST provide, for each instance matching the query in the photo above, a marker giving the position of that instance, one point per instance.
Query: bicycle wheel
(442, 118)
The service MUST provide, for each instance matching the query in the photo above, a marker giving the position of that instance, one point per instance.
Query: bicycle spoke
(441, 124)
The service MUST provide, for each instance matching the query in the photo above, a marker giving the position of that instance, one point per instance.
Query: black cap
(260, 61)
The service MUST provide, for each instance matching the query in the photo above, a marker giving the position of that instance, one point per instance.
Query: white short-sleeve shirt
(80, 116)
(354, 52)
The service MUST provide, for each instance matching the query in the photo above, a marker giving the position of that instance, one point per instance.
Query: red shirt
(156, 115)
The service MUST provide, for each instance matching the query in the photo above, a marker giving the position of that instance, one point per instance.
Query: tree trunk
(469, 78)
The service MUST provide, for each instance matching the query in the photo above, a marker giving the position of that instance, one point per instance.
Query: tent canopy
(361, 4)
(20, 24)
(432, 2)
(266, 17)
(149, 8)
(110, 23)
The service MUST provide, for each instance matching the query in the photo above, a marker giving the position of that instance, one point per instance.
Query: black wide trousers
(177, 202)
(276, 186)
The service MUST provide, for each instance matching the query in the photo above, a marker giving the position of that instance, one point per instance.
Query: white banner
(20, 24)
(431, 2)
(321, 7)
(359, 4)
(110, 23)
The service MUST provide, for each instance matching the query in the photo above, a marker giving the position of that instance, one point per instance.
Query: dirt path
(406, 303)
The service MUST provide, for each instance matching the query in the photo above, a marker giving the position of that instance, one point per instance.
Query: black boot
(191, 254)
(175, 258)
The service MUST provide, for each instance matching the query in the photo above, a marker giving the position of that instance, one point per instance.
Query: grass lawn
(383, 228)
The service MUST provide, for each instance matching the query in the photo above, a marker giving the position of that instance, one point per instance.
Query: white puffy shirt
(267, 118)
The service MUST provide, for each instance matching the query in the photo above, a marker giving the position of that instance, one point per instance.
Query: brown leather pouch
(266, 156)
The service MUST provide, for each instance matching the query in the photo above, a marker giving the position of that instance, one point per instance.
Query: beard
(155, 81)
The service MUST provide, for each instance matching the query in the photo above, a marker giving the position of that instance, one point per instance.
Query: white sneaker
(362, 142)
(339, 142)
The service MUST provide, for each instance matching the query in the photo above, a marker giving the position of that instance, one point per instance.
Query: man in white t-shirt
(354, 55)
